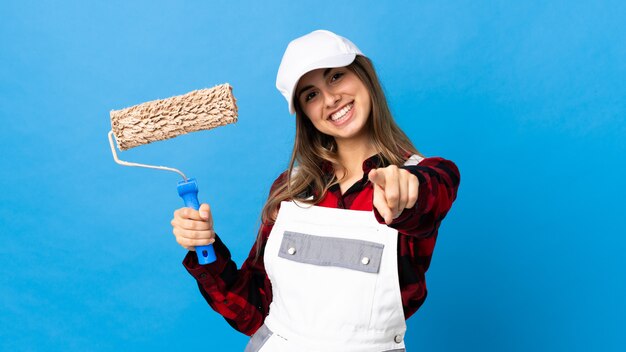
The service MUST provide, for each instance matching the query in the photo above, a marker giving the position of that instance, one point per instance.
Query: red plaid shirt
(243, 296)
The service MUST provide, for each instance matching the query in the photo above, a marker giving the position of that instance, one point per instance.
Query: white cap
(318, 49)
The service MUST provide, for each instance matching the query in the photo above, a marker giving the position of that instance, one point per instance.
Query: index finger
(377, 177)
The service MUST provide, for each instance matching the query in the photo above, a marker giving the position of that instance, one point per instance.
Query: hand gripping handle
(188, 191)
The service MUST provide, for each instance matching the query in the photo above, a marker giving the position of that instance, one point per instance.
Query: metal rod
(126, 163)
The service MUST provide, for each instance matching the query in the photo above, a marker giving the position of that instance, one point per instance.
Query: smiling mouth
(341, 113)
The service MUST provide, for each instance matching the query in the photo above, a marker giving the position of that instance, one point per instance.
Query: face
(336, 101)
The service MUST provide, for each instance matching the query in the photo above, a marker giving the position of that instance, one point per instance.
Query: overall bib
(335, 283)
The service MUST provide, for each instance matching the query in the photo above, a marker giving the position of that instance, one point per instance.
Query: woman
(347, 231)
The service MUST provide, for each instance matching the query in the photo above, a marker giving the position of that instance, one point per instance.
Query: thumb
(377, 177)
(204, 211)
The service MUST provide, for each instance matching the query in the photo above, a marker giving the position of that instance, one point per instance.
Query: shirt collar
(373, 162)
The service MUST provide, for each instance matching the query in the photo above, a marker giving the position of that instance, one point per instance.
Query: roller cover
(157, 120)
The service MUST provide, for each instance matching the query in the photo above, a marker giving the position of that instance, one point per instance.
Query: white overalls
(334, 275)
(335, 284)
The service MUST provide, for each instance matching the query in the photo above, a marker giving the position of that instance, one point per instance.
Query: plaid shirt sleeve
(241, 296)
(438, 184)
(418, 227)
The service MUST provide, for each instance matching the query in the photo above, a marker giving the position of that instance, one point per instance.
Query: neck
(352, 153)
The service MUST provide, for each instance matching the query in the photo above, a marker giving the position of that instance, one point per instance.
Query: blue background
(527, 97)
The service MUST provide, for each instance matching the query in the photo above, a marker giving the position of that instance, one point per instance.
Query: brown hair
(304, 177)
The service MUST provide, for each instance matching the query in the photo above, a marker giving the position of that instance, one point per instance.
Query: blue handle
(188, 190)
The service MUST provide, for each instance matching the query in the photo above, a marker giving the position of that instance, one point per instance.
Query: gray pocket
(331, 251)
(258, 339)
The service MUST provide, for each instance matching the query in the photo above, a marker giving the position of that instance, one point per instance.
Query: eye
(336, 76)
(310, 96)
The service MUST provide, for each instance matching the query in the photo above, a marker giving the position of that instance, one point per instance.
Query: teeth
(341, 113)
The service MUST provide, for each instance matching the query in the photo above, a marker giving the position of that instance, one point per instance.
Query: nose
(331, 98)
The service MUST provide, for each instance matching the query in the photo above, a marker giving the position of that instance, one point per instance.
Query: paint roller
(158, 120)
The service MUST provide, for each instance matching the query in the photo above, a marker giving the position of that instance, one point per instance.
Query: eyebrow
(303, 89)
